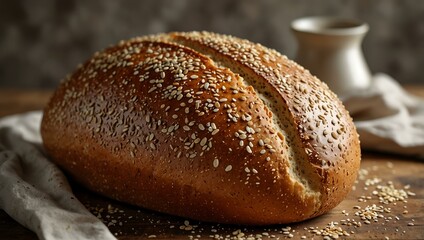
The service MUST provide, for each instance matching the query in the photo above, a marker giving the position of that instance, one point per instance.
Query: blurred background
(41, 41)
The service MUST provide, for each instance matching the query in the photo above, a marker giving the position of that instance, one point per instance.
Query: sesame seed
(215, 163)
(152, 146)
(215, 131)
(151, 89)
(248, 149)
(228, 168)
(170, 129)
(261, 142)
(203, 142)
(151, 136)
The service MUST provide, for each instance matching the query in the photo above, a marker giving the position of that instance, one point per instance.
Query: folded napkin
(388, 119)
(34, 191)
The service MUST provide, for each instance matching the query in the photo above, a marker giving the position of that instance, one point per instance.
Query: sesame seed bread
(204, 126)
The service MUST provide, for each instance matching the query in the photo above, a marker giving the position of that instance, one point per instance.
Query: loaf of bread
(204, 126)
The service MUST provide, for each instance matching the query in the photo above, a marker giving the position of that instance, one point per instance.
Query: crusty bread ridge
(204, 126)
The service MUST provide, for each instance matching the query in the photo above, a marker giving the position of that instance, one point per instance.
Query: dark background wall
(42, 40)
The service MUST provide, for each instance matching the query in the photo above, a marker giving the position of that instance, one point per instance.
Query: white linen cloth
(35, 193)
(387, 118)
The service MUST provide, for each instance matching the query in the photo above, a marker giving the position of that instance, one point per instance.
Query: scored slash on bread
(204, 126)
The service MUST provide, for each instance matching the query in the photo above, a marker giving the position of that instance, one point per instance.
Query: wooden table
(399, 220)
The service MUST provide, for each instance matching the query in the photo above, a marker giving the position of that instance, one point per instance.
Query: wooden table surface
(394, 177)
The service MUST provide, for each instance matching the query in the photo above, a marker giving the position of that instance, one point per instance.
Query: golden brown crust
(167, 123)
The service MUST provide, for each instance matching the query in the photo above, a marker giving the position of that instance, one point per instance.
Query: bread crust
(204, 126)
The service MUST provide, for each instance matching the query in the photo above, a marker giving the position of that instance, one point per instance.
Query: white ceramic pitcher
(330, 48)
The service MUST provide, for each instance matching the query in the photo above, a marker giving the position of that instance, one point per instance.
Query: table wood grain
(399, 219)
